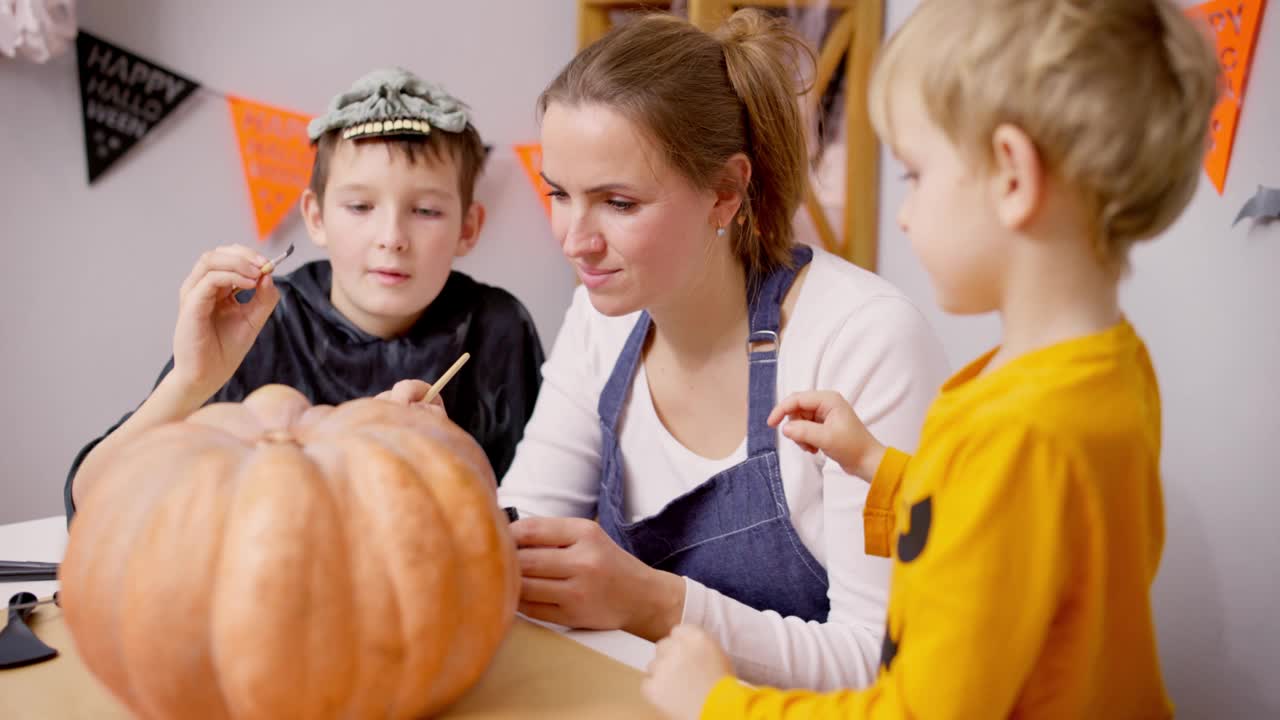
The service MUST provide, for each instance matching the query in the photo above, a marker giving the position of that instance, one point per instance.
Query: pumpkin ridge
(416, 685)
(222, 538)
(479, 540)
(316, 686)
(153, 595)
(88, 565)
(283, 538)
(390, 616)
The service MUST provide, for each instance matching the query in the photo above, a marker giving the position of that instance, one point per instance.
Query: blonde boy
(1041, 140)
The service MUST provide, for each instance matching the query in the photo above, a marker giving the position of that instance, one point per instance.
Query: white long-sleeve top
(849, 331)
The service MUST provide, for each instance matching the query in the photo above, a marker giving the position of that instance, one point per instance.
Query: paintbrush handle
(438, 385)
(55, 600)
(244, 295)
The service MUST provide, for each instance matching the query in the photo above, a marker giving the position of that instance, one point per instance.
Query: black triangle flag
(122, 98)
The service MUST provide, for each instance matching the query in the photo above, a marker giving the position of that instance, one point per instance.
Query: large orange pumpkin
(270, 559)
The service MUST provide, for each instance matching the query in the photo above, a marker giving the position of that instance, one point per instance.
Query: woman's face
(637, 231)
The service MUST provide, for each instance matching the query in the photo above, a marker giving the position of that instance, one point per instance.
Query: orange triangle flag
(531, 159)
(276, 154)
(1235, 26)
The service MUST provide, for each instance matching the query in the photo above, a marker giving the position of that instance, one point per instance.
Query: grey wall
(91, 274)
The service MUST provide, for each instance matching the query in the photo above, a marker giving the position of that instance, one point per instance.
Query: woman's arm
(556, 470)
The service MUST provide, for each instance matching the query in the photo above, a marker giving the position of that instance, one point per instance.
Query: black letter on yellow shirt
(912, 544)
(889, 649)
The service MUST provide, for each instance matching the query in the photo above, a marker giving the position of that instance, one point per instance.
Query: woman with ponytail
(651, 489)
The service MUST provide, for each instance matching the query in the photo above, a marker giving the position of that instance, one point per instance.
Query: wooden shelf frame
(854, 38)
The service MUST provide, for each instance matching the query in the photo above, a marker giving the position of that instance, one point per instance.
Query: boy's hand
(214, 331)
(823, 420)
(411, 393)
(686, 666)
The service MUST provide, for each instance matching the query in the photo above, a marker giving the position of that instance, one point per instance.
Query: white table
(46, 540)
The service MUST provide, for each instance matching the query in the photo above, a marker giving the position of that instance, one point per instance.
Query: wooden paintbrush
(244, 296)
(438, 385)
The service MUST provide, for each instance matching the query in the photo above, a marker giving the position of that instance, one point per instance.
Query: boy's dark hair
(465, 148)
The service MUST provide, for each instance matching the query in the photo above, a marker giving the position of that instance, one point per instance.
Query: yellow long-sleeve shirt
(1033, 528)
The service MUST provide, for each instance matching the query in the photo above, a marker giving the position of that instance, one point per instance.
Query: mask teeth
(382, 127)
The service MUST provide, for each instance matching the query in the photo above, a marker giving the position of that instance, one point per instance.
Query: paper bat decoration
(1264, 205)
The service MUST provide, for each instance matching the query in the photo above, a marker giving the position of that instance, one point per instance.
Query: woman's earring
(720, 231)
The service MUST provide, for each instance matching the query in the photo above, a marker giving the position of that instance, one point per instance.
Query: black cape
(309, 345)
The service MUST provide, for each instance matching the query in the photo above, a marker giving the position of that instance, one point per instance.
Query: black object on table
(18, 645)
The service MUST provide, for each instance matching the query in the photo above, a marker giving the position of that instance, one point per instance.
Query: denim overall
(732, 533)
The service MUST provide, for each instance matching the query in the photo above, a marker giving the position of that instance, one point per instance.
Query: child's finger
(806, 434)
(433, 408)
(781, 410)
(663, 650)
(808, 404)
(652, 689)
(263, 302)
(685, 631)
(230, 260)
(407, 392)
(789, 406)
(220, 262)
(249, 254)
(215, 285)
